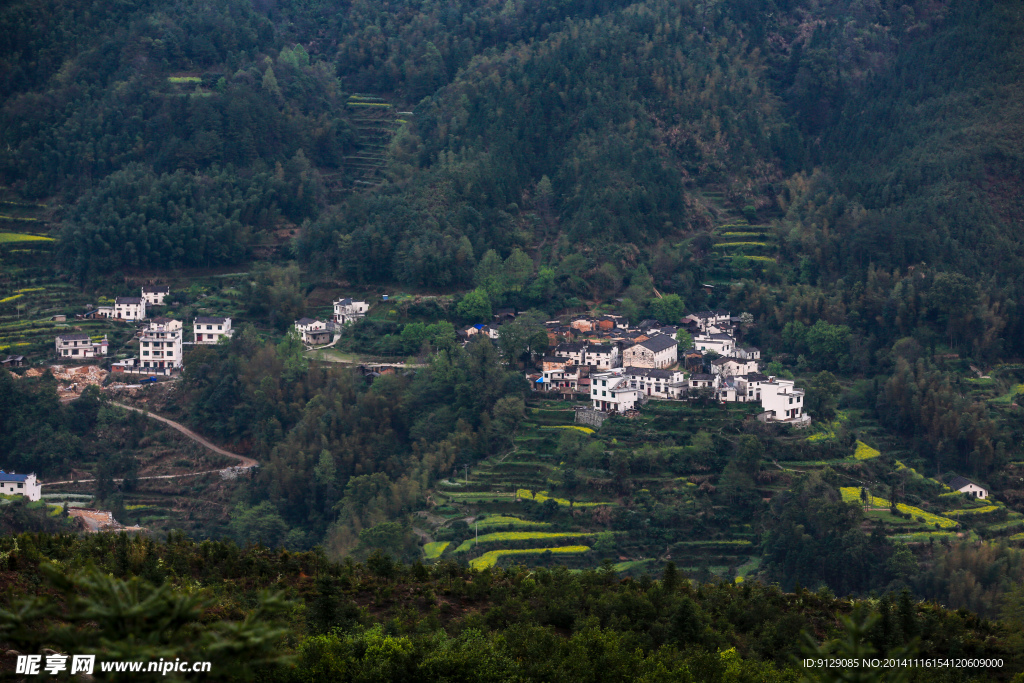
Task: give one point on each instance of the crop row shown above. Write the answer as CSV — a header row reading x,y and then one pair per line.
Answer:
x,y
499,536
490,558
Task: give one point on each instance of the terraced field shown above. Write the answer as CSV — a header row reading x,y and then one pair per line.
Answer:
x,y
523,493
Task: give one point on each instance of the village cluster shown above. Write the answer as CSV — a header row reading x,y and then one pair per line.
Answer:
x,y
162,340
620,366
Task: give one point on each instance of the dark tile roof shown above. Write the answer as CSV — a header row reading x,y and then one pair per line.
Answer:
x,y
756,377
957,483
702,376
304,321
599,348
202,320
73,337
659,342
656,373
128,300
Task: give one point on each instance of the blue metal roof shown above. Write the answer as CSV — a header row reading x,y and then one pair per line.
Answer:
x,y
540,380
4,476
479,326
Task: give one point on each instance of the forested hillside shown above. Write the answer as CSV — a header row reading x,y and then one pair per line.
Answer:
x,y
589,127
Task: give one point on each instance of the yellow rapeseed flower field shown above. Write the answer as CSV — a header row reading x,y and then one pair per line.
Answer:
x,y
489,559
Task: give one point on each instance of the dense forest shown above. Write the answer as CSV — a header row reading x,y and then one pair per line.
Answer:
x,y
280,616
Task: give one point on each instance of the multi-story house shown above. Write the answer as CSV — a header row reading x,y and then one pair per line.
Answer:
x,y
211,330
349,310
720,343
657,383
80,346
313,332
601,356
130,308
659,351
783,402
160,350
731,366
154,294
610,392
27,485
707,319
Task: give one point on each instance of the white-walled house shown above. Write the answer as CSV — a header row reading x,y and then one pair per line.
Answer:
x,y
349,310
130,308
211,330
610,392
707,319
660,351
783,402
656,382
731,366
747,353
160,350
79,346
571,350
601,356
27,485
313,331
154,294
720,343
963,485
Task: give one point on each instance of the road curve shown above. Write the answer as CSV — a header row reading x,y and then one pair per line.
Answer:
x,y
243,462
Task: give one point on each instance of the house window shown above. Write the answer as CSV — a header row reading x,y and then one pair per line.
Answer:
x,y
604,393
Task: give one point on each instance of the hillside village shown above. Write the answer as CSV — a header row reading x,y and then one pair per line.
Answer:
x,y
615,365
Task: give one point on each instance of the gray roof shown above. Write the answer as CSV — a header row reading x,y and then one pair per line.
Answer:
x,y
73,337
756,377
128,300
599,348
957,483
344,302
702,376
304,321
657,373
201,320
659,342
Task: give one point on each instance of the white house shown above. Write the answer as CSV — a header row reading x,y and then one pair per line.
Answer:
x,y
749,387
348,310
747,353
706,319
76,346
657,383
154,294
611,393
313,331
558,373
211,330
571,350
783,402
160,347
962,485
130,308
703,381
20,484
601,356
720,343
660,351
731,366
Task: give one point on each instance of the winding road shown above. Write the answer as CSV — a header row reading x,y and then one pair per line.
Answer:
x,y
244,463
